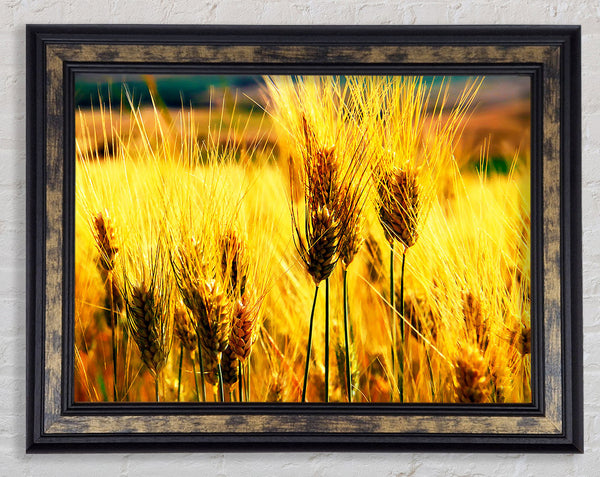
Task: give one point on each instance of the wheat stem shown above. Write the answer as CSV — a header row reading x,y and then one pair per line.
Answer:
x,y
401,359
248,379
221,390
180,366
201,360
346,339
125,347
327,340
241,381
113,325
156,387
427,355
393,314
312,315
196,381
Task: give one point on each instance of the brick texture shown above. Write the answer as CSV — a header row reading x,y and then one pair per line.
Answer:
x,y
14,14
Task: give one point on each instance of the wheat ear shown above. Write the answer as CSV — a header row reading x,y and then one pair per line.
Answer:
x,y
471,378
149,322
230,369
233,263
243,327
399,205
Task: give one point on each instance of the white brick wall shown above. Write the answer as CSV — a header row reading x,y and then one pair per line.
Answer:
x,y
14,14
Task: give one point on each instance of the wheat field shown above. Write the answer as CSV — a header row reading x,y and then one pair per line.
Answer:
x,y
337,243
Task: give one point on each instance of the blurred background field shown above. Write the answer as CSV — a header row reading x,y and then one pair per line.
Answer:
x,y
502,112
202,159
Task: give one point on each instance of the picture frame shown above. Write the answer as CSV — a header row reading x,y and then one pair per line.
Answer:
x,y
549,55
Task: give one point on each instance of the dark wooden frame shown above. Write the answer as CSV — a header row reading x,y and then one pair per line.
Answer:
x,y
550,55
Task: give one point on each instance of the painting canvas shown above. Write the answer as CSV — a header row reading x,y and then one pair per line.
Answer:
x,y
302,239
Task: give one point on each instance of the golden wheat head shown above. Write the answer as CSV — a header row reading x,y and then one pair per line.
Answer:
x,y
213,318
149,323
352,241
399,204
104,235
234,262
475,320
326,161
471,378
185,329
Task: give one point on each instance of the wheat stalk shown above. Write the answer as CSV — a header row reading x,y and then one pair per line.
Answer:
x,y
350,246
331,170
208,302
104,235
186,332
318,243
150,325
399,208
147,291
213,326
413,145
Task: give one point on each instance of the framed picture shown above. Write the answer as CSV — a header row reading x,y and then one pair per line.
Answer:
x,y
293,238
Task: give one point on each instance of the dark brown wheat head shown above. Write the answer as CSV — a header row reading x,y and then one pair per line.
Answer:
x,y
229,368
234,263
399,204
244,326
104,234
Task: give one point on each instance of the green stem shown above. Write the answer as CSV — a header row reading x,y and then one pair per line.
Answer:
x,y
393,315
308,347
433,392
113,325
180,366
126,351
240,381
201,360
196,380
348,374
156,387
327,340
248,379
221,390
401,359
